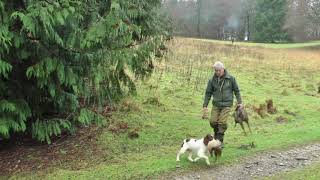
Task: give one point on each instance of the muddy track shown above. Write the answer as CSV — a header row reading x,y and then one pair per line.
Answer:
x,y
259,165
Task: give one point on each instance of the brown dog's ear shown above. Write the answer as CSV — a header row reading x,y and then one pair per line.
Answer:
x,y
207,139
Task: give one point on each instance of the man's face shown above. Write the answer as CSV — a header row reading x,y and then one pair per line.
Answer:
x,y
219,71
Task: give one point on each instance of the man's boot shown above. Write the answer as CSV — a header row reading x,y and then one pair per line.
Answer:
x,y
215,130
221,129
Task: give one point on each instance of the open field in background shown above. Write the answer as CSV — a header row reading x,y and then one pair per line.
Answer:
x,y
168,108
267,45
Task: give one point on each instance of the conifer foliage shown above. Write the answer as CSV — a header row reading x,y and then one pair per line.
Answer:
x,y
61,61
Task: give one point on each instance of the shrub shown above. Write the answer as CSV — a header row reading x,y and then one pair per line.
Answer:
x,y
62,60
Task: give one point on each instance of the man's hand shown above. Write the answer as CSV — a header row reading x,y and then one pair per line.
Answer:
x,y
205,113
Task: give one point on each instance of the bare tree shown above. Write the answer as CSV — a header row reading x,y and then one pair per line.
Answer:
x,y
199,16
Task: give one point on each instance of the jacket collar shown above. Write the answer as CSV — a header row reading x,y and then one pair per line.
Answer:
x,y
226,75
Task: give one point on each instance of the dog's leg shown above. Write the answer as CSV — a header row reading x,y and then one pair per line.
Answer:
x,y
243,128
249,126
206,158
210,152
182,151
197,158
190,157
217,153
202,155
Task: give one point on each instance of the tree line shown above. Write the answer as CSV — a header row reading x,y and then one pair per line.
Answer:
x,y
246,20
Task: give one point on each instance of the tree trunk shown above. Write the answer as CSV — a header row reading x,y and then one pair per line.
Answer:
x,y
248,27
199,18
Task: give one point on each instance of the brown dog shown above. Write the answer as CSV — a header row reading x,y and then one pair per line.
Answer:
x,y
240,116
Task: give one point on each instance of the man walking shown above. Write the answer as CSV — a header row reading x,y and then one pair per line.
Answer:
x,y
221,86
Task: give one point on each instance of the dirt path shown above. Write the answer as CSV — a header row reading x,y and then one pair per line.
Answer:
x,y
259,165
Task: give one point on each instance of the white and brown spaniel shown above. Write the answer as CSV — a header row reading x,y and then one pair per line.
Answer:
x,y
201,147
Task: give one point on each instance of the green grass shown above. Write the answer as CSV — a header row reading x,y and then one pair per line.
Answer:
x,y
310,172
167,109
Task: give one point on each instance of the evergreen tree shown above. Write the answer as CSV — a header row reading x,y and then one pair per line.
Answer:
x,y
61,61
269,20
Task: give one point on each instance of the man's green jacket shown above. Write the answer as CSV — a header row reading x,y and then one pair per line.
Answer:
x,y
222,90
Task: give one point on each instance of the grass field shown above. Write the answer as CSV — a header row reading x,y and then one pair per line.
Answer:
x,y
168,108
